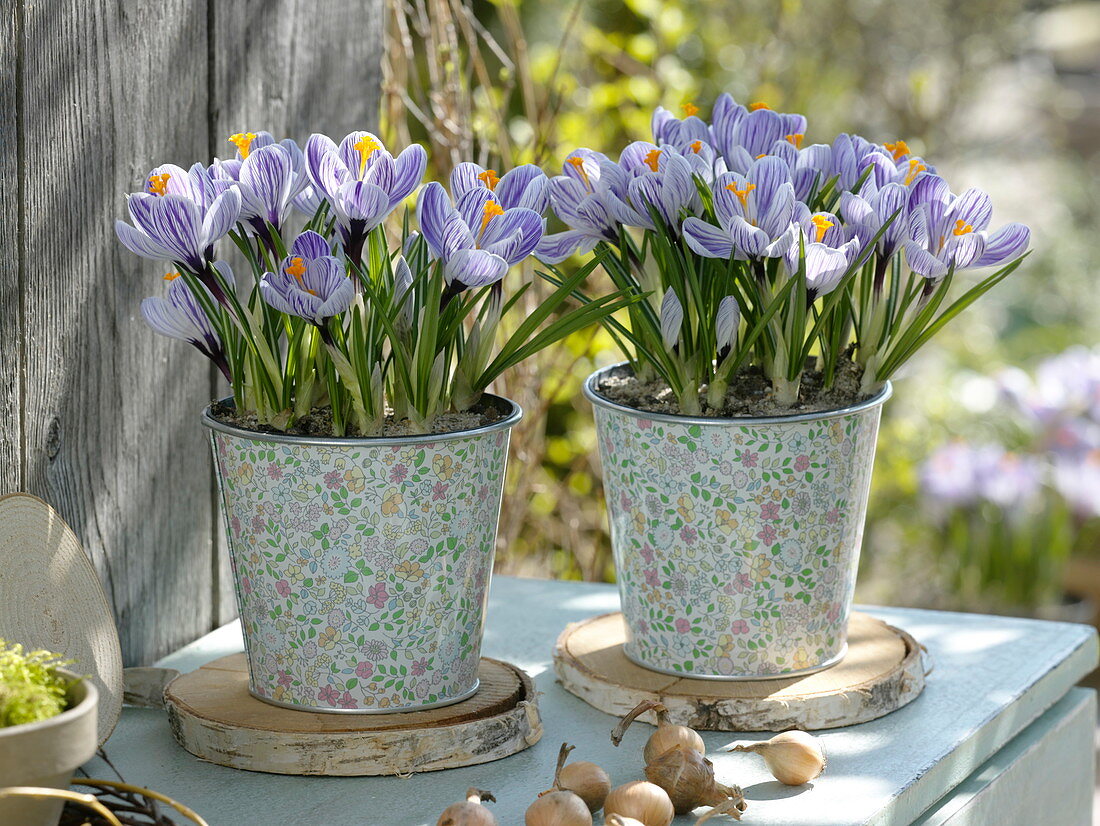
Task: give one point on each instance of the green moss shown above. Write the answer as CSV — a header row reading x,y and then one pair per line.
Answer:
x,y
30,690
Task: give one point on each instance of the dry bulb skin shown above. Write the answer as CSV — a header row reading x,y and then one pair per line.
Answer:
x,y
586,780
646,803
688,778
665,737
793,757
469,812
619,820
560,806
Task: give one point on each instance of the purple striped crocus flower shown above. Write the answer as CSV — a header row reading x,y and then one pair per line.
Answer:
x,y
947,230
311,282
180,217
743,134
477,239
362,182
680,133
579,199
650,176
270,175
180,316
830,249
754,211
523,186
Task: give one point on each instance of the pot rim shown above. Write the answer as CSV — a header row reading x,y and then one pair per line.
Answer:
x,y
86,705
506,423
593,395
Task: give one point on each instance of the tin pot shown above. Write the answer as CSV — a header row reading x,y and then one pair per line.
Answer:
x,y
362,565
46,753
736,541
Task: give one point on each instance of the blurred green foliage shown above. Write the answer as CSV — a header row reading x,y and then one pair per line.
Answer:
x,y
507,81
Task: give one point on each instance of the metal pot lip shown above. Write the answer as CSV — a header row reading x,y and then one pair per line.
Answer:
x,y
593,395
87,698
506,423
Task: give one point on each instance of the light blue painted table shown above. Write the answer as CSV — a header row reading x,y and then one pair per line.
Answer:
x,y
999,736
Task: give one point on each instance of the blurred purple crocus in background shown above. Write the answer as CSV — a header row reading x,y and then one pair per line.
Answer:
x,y
180,316
961,474
477,239
362,182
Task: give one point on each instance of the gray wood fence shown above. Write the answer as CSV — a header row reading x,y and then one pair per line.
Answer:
x,y
99,416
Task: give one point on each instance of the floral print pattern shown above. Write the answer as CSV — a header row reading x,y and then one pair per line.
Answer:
x,y
362,571
736,546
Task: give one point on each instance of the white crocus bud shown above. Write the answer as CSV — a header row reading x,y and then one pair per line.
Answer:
x,y
726,322
672,317
402,292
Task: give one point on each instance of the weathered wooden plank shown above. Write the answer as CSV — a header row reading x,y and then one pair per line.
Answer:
x,y
11,360
112,436
292,69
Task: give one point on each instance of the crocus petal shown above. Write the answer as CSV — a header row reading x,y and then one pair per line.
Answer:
x,y
474,268
556,247
973,207
310,245
172,221
465,176
747,240
365,202
525,186
513,235
1004,244
967,249
326,179
706,239
268,174
672,318
433,208
726,322
223,213
141,244
922,262
409,168
471,207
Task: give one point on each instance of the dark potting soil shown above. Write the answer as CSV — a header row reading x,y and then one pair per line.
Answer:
x,y
318,422
749,393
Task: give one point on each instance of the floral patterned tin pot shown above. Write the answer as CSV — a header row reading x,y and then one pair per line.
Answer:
x,y
362,566
736,541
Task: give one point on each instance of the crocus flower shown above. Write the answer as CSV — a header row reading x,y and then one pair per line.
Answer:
x,y
579,198
947,231
1077,479
478,239
524,186
649,176
362,182
269,175
754,212
311,283
866,216
180,316
964,474
680,133
180,217
741,135
672,318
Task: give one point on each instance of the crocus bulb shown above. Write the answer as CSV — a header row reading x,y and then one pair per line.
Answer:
x,y
665,737
586,780
793,757
469,812
645,802
559,806
688,778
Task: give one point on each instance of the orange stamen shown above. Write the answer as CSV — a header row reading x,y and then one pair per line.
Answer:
x,y
742,194
365,146
296,267
899,149
489,178
171,276
796,139
158,184
577,162
915,168
652,158
696,146
962,228
758,105
490,211
761,155
690,110
821,223
243,142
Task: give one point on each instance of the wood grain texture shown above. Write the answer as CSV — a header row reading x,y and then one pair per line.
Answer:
x,y
213,716
99,416
11,363
882,671
292,69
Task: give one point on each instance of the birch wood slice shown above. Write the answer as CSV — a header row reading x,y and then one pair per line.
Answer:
x,y
51,597
882,671
215,718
